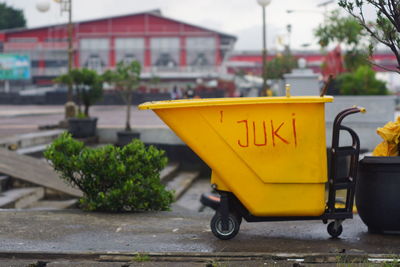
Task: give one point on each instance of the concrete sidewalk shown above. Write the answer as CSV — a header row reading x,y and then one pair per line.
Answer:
x,y
179,234
10,111
27,119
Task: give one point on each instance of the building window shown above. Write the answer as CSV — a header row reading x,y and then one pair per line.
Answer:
x,y
34,63
200,51
56,63
129,49
94,53
56,40
165,52
22,40
55,55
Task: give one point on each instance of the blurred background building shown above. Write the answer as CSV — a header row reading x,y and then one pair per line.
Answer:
x,y
166,48
172,54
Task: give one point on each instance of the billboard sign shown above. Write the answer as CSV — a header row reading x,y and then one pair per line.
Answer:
x,y
15,67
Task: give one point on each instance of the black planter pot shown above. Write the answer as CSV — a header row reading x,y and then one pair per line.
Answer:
x,y
82,127
125,137
378,194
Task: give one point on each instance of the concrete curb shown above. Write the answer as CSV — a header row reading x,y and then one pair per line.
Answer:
x,y
199,257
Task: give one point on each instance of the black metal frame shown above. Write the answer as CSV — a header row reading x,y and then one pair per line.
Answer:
x,y
229,203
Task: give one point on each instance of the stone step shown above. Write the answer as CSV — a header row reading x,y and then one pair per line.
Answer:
x,y
4,182
181,182
30,139
168,172
53,204
33,151
20,198
191,199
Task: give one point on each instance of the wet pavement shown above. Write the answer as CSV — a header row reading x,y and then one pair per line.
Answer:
x,y
178,231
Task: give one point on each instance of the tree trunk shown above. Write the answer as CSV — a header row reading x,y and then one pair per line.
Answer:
x,y
79,100
128,110
86,102
86,110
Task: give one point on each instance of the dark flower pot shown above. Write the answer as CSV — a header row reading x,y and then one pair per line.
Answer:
x,y
82,127
378,194
125,137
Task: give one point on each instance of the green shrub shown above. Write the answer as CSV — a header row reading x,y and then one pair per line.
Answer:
x,y
112,178
361,82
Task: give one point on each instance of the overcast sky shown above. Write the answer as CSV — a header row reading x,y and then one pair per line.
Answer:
x,y
242,18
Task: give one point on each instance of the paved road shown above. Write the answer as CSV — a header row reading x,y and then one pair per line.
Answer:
x,y
27,119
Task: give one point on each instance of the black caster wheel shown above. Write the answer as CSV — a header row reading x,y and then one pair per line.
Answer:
x,y
239,218
334,232
233,226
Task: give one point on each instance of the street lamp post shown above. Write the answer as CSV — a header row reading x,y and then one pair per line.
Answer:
x,y
264,4
65,6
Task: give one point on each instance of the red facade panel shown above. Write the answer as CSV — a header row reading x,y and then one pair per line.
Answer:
x,y
112,52
194,30
217,51
131,24
160,25
183,51
147,54
96,27
76,58
40,34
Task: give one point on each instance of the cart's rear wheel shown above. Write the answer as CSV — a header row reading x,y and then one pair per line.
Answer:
x,y
335,229
233,226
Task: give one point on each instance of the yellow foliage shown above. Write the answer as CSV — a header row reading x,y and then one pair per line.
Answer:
x,y
390,134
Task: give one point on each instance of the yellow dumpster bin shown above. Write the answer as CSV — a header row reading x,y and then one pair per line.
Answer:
x,y
269,152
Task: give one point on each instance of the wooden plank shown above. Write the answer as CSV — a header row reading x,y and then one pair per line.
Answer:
x,y
34,171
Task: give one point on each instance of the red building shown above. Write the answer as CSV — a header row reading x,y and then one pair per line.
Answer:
x,y
166,48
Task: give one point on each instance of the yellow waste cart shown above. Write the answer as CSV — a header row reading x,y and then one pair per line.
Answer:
x,y
267,155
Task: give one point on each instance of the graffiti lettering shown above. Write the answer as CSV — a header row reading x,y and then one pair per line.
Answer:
x,y
247,134
294,129
260,134
275,133
264,134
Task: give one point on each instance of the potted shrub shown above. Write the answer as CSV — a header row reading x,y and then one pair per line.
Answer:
x,y
125,78
88,87
378,186
112,178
